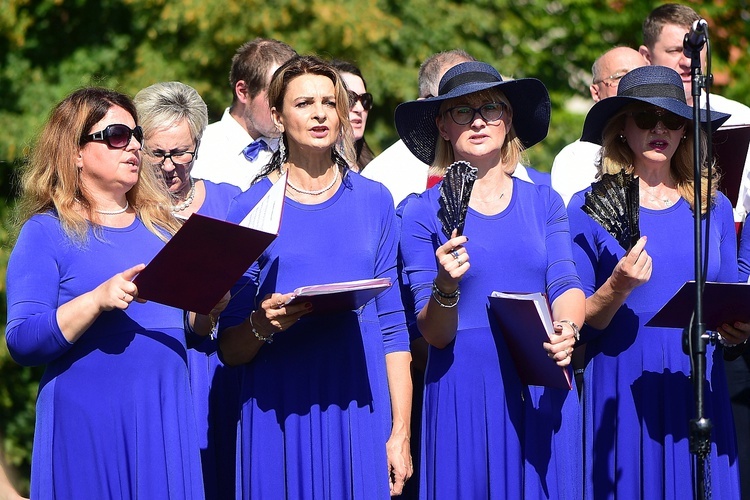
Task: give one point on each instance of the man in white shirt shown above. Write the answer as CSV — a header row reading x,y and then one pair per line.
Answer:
x,y
234,149
575,166
663,33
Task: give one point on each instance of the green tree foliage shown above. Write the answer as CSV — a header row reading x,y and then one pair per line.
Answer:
x,y
50,47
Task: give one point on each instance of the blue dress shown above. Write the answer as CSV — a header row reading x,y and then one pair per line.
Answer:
x,y
215,387
484,434
315,403
114,413
638,397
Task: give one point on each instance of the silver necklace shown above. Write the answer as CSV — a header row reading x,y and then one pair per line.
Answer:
x,y
115,212
182,206
319,191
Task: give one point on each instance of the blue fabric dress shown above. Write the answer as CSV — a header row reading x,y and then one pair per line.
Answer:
x,y
638,397
315,412
215,387
484,434
114,414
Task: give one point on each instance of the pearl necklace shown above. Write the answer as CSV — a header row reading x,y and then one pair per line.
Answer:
x,y
115,212
182,206
319,191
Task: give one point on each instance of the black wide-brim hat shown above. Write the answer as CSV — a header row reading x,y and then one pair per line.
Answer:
x,y
528,97
656,85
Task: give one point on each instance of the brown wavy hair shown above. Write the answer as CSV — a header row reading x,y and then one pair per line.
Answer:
x,y
50,180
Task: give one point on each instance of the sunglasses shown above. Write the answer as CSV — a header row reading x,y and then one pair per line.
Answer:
x,y
365,99
116,136
491,112
648,118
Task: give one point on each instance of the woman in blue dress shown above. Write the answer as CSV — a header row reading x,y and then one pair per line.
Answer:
x,y
325,399
484,433
173,117
638,397
114,412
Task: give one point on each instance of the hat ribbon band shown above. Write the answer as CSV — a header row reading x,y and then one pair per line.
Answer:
x,y
655,90
464,78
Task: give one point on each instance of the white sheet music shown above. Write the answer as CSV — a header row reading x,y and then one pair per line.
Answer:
x,y
266,215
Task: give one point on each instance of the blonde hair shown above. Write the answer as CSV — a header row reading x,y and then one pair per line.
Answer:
x,y
50,180
617,155
512,149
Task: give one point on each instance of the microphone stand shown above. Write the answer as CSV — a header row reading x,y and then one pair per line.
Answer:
x,y
693,336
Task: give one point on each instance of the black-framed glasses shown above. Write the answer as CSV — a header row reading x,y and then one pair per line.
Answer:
x,y
116,136
490,112
612,80
648,118
366,99
178,158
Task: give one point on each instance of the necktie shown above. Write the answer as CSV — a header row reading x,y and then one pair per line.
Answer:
x,y
251,150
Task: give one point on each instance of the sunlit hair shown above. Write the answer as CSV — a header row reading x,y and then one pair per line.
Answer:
x,y
166,104
435,66
670,13
311,65
252,62
51,180
617,155
362,150
512,149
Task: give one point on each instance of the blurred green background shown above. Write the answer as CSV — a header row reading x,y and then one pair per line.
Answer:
x,y
50,47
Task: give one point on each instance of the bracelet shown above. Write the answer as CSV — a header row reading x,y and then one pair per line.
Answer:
x,y
576,330
267,340
436,295
444,295
729,345
214,333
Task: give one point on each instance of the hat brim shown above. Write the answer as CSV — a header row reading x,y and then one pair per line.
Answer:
x,y
601,112
528,97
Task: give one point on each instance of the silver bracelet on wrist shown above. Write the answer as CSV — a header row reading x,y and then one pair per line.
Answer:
x,y
438,294
267,340
576,330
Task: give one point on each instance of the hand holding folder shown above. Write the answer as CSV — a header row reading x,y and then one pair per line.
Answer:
x,y
526,323
207,256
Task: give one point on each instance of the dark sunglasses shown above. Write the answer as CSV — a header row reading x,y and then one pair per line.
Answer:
x,y
648,118
365,99
116,136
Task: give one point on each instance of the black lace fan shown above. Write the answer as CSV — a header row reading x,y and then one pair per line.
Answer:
x,y
455,192
613,203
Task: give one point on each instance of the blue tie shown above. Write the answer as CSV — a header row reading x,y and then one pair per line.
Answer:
x,y
251,151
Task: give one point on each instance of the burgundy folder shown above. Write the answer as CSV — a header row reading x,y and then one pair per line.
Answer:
x,y
526,323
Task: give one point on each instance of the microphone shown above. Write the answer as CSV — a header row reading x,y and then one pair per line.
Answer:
x,y
696,38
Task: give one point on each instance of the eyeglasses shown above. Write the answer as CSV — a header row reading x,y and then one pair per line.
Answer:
x,y
648,118
365,99
491,112
179,159
612,80
116,136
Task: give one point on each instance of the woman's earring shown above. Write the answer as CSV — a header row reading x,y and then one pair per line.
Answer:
x,y
683,138
282,149
623,139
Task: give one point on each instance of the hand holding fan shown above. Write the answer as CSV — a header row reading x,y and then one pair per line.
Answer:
x,y
613,202
455,192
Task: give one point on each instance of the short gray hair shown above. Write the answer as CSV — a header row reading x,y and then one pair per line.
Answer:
x,y
167,103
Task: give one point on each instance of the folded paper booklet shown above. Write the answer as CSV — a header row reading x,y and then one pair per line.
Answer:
x,y
339,297
526,323
207,256
722,303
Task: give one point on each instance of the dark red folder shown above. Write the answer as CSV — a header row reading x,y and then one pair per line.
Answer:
x,y
207,256
730,145
526,323
339,297
722,303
